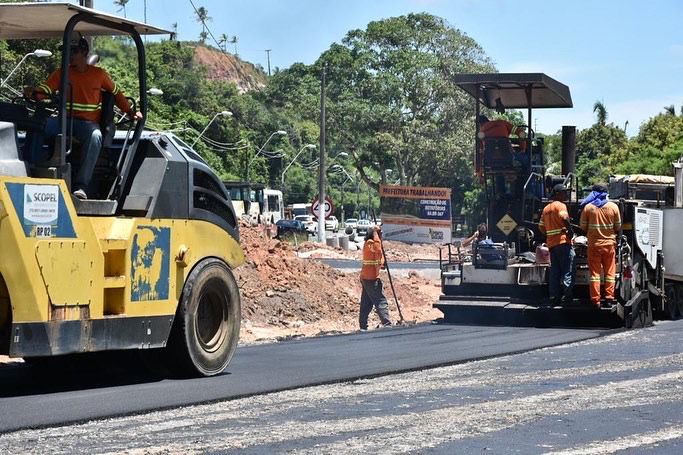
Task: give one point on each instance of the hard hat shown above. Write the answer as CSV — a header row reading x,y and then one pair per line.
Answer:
x,y
78,42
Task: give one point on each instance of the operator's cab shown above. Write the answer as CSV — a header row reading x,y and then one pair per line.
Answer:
x,y
138,173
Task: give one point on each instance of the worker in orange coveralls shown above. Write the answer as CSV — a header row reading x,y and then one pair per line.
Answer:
x,y
373,289
556,226
601,221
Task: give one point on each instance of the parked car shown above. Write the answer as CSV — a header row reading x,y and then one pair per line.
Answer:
x,y
362,227
290,226
309,221
351,222
332,224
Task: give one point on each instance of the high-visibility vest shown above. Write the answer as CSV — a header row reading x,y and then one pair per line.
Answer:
x,y
601,224
553,223
85,100
372,260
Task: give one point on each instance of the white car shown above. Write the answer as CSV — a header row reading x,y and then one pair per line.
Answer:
x,y
351,222
310,222
362,227
332,224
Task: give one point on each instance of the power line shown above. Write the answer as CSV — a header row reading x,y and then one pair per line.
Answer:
x,y
205,25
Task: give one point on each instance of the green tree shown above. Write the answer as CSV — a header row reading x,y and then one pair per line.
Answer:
x,y
392,105
658,143
599,148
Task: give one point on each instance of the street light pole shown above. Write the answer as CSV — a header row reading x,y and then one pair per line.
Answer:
x,y
307,146
40,53
279,133
321,173
221,114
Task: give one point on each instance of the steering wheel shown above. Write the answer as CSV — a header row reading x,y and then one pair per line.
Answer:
x,y
122,118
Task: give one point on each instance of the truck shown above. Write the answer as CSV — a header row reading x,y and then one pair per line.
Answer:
x,y
503,282
146,262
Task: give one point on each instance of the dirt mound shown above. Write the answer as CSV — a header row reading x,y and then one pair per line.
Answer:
x,y
284,295
228,67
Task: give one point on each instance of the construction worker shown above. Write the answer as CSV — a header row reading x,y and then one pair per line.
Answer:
x,y
84,105
372,293
601,221
556,225
479,236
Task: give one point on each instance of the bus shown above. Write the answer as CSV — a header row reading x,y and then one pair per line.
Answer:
x,y
255,202
272,208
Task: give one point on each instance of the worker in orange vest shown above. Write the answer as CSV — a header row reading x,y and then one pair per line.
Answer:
x,y
372,293
555,224
601,221
86,84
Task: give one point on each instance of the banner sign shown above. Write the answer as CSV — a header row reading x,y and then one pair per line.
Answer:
x,y
414,214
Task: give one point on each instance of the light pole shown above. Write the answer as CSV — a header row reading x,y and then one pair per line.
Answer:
x,y
279,133
348,177
218,114
307,146
40,53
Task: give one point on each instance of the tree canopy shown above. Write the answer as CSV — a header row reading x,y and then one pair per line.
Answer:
x,y
393,116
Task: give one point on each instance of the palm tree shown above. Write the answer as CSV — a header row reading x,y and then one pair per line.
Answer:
x,y
122,6
203,17
601,111
223,42
233,40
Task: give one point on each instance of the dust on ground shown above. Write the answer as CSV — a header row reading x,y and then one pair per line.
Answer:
x,y
287,293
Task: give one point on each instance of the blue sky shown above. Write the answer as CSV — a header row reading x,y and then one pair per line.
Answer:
x,y
627,54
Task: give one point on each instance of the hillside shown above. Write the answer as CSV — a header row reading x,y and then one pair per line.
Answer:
x,y
227,67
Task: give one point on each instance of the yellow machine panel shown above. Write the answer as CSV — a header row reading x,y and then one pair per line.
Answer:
x,y
67,272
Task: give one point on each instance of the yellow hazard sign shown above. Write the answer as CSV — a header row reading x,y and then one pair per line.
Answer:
x,y
506,224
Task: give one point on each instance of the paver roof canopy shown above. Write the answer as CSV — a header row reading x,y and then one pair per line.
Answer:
x,y
515,90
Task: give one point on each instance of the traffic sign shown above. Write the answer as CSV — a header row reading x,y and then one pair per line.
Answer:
x,y
329,207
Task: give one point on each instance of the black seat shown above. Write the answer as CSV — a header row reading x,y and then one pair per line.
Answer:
x,y
107,124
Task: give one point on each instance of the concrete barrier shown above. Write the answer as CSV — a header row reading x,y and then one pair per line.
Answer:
x,y
344,242
332,241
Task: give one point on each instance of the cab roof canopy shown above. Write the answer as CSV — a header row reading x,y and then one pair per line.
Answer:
x,y
48,20
515,90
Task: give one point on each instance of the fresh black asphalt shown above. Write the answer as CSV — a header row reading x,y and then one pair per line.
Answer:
x,y
31,397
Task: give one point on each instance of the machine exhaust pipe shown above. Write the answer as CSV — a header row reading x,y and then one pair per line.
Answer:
x,y
568,150
678,183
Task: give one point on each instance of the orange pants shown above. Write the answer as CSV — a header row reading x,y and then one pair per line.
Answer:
x,y
601,258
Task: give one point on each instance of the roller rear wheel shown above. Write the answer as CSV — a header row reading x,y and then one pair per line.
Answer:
x,y
207,323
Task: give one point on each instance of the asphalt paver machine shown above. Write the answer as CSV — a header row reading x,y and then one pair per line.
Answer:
x,y
145,263
502,282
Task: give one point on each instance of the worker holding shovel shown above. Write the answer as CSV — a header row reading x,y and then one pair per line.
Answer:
x,y
373,289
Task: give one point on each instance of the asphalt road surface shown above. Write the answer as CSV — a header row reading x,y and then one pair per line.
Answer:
x,y
32,397
621,393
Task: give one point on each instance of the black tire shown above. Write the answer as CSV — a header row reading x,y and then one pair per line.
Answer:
x,y
207,323
671,302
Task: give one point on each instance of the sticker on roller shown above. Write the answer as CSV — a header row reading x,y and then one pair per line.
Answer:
x,y
43,231
41,208
41,204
